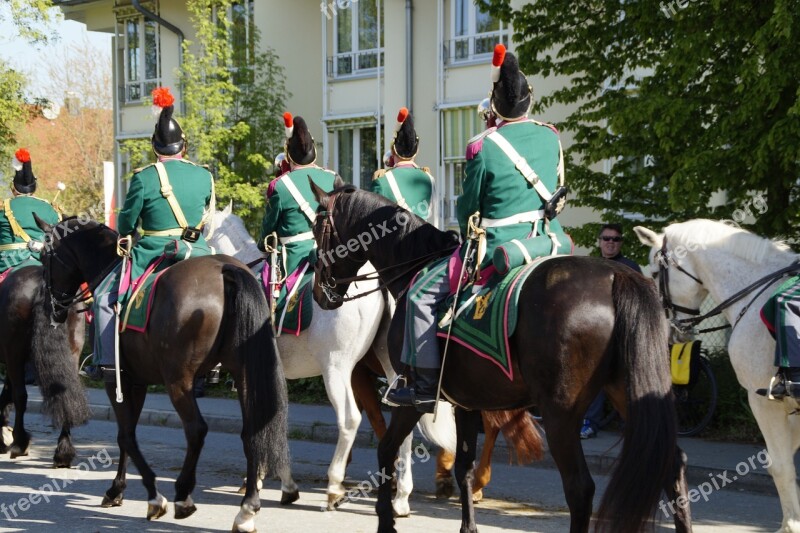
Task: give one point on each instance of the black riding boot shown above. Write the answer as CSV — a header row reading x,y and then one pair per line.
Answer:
x,y
421,394
787,383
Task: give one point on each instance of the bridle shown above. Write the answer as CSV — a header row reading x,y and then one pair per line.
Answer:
x,y
323,268
685,325
664,260
61,300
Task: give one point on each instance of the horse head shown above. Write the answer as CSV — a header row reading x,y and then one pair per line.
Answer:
x,y
682,292
338,256
77,250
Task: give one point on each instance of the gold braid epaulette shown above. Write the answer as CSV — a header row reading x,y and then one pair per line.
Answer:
x,y
379,174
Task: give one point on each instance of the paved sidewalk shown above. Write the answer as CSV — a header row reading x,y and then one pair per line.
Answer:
x,y
739,464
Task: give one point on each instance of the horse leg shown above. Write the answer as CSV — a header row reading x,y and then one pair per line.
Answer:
x,y
195,430
127,414
400,427
15,374
5,402
484,471
405,481
364,392
562,431
65,451
348,417
782,438
467,442
677,488
444,476
114,495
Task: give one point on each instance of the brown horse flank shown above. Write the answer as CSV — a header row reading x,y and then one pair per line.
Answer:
x,y
585,324
206,310
26,332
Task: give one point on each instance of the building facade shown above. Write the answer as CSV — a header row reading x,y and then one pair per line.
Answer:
x,y
350,65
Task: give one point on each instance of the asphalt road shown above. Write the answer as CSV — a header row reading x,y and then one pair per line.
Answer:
x,y
519,498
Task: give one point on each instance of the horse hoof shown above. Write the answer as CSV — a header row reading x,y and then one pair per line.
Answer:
x,y
236,529
334,501
62,462
15,451
444,489
184,511
401,509
112,502
477,496
156,508
288,498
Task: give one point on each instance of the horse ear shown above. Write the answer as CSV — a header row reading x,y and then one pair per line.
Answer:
x,y
338,182
320,195
648,237
228,208
44,226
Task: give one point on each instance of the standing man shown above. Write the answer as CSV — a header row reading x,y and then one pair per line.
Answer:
x,y
169,200
403,181
609,240
19,234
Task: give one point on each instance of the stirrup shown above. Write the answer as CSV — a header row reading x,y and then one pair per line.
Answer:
x,y
392,386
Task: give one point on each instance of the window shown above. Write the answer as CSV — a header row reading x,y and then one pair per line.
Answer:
x,y
141,58
459,125
242,39
474,33
358,45
356,155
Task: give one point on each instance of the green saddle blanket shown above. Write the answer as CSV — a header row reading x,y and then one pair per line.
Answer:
x,y
136,300
486,316
293,309
781,315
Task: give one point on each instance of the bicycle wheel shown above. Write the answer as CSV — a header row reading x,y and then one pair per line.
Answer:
x,y
695,403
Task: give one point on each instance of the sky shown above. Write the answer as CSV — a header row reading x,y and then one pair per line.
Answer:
x,y
31,59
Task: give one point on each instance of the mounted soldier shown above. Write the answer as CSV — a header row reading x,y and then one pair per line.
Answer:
x,y
403,181
291,208
20,238
512,173
169,201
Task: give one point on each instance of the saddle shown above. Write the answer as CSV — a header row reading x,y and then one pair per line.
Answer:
x,y
291,301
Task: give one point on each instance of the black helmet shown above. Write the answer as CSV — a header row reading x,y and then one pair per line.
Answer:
x,y
24,180
168,137
406,142
511,93
299,143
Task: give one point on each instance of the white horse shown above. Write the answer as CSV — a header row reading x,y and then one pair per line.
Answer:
x,y
702,257
330,347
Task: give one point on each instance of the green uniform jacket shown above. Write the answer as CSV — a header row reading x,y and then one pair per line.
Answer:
x,y
23,208
285,217
415,185
495,187
191,185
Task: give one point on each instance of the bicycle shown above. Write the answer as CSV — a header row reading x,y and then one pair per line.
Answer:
x,y
695,402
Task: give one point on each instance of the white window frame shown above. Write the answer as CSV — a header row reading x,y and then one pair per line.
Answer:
x,y
456,53
142,84
449,215
355,54
356,130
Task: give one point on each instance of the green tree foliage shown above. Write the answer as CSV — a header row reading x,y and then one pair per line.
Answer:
x,y
12,109
708,90
234,96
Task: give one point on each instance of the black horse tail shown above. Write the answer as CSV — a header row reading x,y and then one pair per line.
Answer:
x,y
263,389
649,448
57,370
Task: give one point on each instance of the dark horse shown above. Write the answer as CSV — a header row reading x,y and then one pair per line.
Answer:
x,y
206,310
585,324
25,331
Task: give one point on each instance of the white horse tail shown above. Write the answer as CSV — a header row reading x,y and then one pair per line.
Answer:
x,y
443,431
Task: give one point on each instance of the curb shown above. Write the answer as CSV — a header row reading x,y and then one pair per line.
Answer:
x,y
600,463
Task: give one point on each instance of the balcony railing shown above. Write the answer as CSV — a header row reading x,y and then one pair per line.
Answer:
x,y
473,47
350,64
136,91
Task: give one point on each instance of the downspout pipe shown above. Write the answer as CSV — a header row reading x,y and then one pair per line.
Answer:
x,y
171,27
409,54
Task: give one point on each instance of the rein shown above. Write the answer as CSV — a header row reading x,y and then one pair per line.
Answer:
x,y
684,324
328,282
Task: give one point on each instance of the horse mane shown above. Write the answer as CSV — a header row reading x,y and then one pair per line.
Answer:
x,y
721,236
